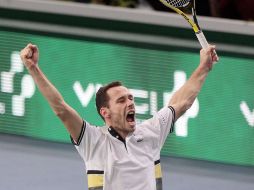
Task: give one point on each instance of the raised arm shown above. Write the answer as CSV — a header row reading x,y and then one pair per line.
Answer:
x,y
185,96
70,118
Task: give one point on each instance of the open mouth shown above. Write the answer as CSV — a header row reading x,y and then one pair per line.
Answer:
x,y
130,116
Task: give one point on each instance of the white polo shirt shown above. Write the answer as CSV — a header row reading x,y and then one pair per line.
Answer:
x,y
113,163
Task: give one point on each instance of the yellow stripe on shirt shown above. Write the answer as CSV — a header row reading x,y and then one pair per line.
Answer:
x,y
158,173
95,180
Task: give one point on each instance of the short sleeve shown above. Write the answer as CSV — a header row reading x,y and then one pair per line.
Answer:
x,y
159,126
166,117
88,139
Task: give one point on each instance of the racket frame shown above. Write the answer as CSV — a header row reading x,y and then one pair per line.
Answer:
x,y
193,23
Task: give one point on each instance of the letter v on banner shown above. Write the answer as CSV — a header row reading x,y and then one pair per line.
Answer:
x,y
85,96
248,115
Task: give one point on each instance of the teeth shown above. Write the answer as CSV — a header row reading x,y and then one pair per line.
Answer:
x,y
131,112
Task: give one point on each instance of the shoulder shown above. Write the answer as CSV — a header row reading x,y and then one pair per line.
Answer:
x,y
92,132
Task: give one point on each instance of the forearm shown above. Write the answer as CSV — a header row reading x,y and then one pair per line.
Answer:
x,y
47,89
186,95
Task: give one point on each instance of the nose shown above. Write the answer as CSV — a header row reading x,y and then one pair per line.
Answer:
x,y
130,103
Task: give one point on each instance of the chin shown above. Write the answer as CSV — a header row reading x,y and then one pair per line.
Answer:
x,y
132,127
131,130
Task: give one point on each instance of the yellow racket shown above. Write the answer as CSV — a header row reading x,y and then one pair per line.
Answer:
x,y
188,6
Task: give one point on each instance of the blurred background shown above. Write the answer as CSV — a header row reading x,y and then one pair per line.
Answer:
x,y
85,44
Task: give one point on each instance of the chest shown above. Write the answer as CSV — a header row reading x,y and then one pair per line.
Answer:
x,y
136,152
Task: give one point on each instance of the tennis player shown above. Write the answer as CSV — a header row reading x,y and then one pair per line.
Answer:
x,y
121,155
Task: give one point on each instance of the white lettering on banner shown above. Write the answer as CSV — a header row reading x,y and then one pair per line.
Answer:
x,y
151,107
153,103
7,82
2,108
141,108
7,86
84,96
247,113
27,91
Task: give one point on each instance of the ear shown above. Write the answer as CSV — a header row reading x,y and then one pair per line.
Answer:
x,y
105,112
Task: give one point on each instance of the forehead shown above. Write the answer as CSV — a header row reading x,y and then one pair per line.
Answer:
x,y
117,91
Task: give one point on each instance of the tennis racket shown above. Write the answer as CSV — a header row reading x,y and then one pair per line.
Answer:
x,y
188,6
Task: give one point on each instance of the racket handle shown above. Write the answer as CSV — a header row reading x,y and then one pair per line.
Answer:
x,y
202,40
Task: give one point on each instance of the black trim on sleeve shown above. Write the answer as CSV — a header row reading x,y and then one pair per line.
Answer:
x,y
173,119
95,172
80,136
157,162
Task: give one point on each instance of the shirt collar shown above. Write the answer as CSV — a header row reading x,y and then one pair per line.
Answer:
x,y
115,134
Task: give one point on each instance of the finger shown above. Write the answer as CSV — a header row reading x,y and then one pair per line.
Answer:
x,y
215,58
31,46
212,50
34,48
28,53
214,55
208,50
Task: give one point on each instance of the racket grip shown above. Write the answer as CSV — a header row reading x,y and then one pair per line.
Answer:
x,y
203,42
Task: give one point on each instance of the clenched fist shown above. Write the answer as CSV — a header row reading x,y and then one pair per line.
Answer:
x,y
30,55
208,57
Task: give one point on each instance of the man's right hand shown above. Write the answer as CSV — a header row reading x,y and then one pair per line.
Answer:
x,y
30,55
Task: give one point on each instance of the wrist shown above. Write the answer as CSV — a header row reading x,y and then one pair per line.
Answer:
x,y
202,72
32,67
204,68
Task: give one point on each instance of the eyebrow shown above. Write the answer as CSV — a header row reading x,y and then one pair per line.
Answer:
x,y
124,96
120,98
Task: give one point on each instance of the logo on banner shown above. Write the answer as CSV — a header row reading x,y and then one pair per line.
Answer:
x,y
8,83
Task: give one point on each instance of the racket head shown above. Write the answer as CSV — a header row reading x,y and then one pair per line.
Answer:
x,y
184,7
178,3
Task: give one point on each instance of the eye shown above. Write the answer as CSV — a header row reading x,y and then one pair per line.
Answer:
x,y
121,100
131,97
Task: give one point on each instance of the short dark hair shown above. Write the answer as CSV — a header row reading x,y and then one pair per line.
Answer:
x,y
102,97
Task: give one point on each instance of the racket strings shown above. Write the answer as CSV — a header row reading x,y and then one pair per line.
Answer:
x,y
178,3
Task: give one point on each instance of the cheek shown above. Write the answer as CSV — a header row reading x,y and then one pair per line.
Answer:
x,y
117,113
117,109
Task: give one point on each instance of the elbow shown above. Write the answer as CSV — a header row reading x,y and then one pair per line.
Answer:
x,y
183,108
59,113
187,105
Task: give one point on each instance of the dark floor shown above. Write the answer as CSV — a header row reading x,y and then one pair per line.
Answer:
x,y
38,165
